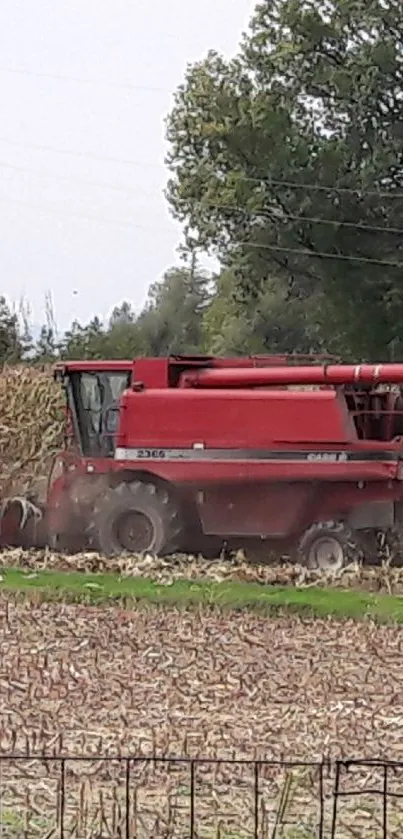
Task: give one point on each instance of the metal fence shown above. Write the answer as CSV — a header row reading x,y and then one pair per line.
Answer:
x,y
136,797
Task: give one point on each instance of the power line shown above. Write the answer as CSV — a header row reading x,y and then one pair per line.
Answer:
x,y
20,71
323,255
263,179
369,228
370,193
101,82
234,208
240,243
52,210
74,179
101,157
266,180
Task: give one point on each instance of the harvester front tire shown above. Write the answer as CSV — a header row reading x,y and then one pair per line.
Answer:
x,y
136,518
328,546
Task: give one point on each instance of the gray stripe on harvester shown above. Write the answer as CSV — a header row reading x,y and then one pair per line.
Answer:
x,y
263,455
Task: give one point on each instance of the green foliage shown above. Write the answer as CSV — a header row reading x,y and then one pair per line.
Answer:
x,y
171,321
12,345
46,347
312,602
83,341
266,324
312,98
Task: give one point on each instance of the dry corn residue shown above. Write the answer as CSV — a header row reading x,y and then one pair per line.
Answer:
x,y
31,428
98,680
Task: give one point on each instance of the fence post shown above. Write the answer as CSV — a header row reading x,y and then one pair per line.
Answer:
x,y
385,802
192,799
127,799
62,795
256,804
335,800
321,802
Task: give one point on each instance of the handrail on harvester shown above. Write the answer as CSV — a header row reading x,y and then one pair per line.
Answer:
x,y
332,374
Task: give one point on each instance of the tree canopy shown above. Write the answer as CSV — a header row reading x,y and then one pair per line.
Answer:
x,y
286,162
13,341
172,321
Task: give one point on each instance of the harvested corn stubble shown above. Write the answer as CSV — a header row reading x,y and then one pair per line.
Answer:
x,y
377,579
94,681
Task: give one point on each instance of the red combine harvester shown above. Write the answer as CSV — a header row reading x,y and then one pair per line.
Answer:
x,y
191,453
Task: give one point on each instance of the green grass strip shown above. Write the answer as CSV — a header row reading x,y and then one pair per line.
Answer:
x,y
103,588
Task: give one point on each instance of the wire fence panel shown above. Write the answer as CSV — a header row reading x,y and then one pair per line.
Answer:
x,y
102,797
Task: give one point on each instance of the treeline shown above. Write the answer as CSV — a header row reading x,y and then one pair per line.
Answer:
x,y
174,319
182,315
286,162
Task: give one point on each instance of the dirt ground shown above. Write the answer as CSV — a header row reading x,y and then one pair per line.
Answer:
x,y
90,680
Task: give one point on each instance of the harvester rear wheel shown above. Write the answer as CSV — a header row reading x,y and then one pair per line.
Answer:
x,y
328,546
136,518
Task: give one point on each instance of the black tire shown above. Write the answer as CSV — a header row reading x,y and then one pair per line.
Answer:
x,y
337,542
261,553
209,548
392,547
65,543
136,518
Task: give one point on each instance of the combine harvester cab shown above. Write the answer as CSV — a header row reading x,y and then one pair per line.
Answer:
x,y
193,453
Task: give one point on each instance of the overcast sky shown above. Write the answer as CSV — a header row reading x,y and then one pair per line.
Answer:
x,y
84,89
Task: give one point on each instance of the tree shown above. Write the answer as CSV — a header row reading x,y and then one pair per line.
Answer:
x,y
267,324
122,315
172,321
82,342
122,338
11,343
282,158
46,349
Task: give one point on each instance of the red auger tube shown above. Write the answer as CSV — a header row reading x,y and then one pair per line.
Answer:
x,y
334,374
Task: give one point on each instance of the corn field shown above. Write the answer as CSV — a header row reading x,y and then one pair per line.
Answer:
x,y
31,429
